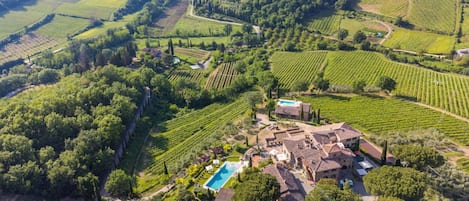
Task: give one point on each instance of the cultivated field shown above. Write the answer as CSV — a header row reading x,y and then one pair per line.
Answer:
x,y
191,55
194,40
288,66
15,20
446,91
28,45
326,23
91,8
437,15
387,8
420,41
379,116
107,25
184,136
62,26
221,77
192,75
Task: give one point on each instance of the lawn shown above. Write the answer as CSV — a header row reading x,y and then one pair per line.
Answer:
x,y
387,8
92,33
420,41
15,20
187,25
91,8
437,15
62,26
352,26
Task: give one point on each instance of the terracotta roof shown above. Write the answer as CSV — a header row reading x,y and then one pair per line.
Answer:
x,y
325,164
288,110
288,186
225,194
340,130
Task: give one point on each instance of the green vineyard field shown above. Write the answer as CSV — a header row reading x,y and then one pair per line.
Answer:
x,y
222,77
192,75
379,116
288,66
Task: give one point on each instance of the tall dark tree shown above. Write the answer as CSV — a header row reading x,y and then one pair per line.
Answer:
x,y
342,34
384,153
165,168
386,83
170,47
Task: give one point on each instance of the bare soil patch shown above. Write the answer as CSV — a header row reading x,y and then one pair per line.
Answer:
x,y
171,16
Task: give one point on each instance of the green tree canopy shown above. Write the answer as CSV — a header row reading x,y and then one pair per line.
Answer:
x,y
343,33
327,189
359,37
300,85
392,181
386,83
418,157
257,187
119,184
359,86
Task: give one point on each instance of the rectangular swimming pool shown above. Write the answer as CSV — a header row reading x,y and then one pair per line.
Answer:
x,y
222,175
282,102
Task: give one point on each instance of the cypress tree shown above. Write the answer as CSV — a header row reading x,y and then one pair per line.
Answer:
x,y
165,168
257,138
318,118
384,153
247,143
209,194
250,162
239,177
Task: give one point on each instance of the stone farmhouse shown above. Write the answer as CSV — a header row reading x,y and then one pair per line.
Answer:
x,y
321,152
293,110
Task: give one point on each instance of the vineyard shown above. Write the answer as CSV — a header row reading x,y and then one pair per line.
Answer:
x,y
184,136
222,77
326,23
386,8
437,15
28,45
194,53
192,75
420,41
379,116
288,67
446,91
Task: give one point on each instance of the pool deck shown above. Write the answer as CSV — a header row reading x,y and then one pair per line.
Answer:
x,y
239,170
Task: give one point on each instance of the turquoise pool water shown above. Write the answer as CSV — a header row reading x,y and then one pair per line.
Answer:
x,y
287,103
222,175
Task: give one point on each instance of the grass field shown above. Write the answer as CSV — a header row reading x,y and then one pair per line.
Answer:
x,y
191,55
387,8
91,8
437,15
61,26
420,41
352,26
193,26
378,116
16,19
107,25
183,138
288,66
222,77
326,22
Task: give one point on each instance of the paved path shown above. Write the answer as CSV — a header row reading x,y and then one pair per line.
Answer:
x,y
191,13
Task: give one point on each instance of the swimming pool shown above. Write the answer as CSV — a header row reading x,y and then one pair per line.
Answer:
x,y
222,175
282,102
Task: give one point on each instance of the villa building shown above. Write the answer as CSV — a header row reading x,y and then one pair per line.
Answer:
x,y
293,110
323,152
289,189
